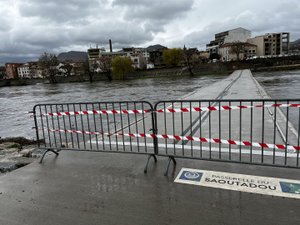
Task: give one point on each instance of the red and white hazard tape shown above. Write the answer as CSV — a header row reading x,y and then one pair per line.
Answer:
x,y
217,108
96,112
168,110
187,138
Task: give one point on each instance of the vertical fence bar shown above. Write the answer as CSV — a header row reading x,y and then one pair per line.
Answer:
x,y
115,126
286,133
144,126
53,126
36,127
165,125
200,129
102,130
129,127
65,127
251,132
76,126
89,127
240,131
173,128
263,132
209,128
298,138
136,127
229,127
43,128
181,116
122,125
70,123
108,127
59,127
82,127
191,129
154,128
274,133
95,126
220,129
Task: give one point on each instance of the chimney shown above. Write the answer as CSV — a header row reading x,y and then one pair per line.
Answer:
x,y
110,45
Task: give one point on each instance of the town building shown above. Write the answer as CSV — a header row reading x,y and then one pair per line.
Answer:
x,y
236,35
35,70
139,57
24,71
237,51
272,44
156,54
11,70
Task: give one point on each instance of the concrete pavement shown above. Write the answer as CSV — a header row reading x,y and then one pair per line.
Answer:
x,y
99,188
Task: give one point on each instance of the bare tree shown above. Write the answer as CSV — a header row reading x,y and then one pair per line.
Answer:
x,y
237,48
48,63
190,59
105,65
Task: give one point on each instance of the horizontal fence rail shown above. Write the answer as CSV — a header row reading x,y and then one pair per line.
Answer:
x,y
263,132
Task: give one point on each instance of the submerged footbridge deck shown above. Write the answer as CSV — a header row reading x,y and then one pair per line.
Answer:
x,y
235,120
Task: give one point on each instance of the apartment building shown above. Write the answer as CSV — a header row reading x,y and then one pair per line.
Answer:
x,y
12,70
235,35
272,44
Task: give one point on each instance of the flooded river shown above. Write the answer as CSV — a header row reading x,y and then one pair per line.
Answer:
x,y
15,102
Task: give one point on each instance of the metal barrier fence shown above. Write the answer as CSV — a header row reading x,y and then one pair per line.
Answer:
x,y
101,126
243,131
263,132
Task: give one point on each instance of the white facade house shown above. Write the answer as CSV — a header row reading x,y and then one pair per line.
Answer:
x,y
24,71
246,51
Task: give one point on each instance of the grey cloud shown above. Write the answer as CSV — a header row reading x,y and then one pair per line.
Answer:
x,y
59,11
283,18
156,10
30,27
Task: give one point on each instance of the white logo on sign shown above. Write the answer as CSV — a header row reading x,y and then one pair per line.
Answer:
x,y
191,175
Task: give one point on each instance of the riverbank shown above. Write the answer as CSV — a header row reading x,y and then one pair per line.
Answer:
x,y
219,68
17,152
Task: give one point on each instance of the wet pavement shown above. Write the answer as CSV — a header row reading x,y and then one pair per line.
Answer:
x,y
101,188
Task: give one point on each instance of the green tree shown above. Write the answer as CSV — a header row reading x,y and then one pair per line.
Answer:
x,y
173,56
121,66
48,63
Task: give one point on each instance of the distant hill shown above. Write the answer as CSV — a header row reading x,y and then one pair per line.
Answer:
x,y
295,44
155,47
72,56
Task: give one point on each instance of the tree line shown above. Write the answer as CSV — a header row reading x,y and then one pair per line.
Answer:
x,y
117,67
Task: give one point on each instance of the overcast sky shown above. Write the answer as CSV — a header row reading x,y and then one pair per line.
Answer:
x,y
31,27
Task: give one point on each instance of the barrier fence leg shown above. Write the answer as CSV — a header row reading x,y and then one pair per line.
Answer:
x,y
149,157
171,158
49,150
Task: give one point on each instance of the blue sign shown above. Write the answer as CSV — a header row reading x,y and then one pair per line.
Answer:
x,y
292,188
192,176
